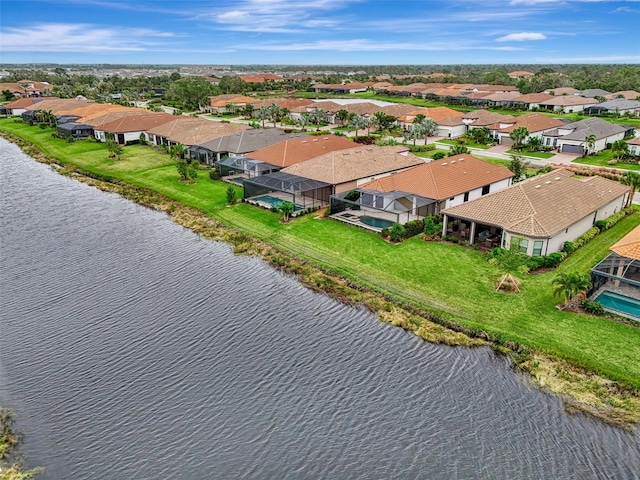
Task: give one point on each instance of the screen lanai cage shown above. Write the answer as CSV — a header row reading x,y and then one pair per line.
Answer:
x,y
394,207
277,187
244,166
617,273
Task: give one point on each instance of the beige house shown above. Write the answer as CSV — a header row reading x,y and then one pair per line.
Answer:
x,y
540,213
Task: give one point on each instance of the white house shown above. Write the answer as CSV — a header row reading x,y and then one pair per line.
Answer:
x,y
542,212
571,137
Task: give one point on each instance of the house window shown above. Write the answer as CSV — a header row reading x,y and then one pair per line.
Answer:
x,y
524,245
466,196
537,248
485,189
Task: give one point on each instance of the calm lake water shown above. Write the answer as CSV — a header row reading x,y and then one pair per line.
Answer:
x,y
132,349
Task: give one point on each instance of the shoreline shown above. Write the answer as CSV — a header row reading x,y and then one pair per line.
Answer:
x,y
579,389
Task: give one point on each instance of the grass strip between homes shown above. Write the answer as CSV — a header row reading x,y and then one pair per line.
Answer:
x,y
442,293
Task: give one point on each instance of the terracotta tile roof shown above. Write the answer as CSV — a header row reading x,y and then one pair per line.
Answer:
x,y
355,163
435,113
27,101
194,131
562,91
442,179
110,116
96,109
634,141
520,73
477,95
288,103
58,105
629,245
484,117
534,97
503,96
327,106
628,94
135,123
398,109
30,86
533,122
260,78
224,100
290,152
569,100
541,206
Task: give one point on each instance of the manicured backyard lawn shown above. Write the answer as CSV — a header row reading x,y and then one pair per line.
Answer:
x,y
452,280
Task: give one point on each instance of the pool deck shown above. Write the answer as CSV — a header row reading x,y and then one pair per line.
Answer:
x,y
352,218
623,290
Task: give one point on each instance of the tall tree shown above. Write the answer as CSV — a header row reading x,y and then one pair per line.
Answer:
x,y
519,167
429,128
620,149
263,114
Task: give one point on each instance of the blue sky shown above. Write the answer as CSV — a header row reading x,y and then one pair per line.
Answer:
x,y
320,32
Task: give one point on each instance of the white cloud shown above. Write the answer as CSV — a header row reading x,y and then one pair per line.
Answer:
x,y
522,37
63,37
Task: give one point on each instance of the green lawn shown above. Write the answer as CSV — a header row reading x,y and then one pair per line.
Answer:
x,y
455,281
466,144
529,153
602,159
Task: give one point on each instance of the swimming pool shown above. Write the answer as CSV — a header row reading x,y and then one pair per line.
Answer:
x,y
275,201
625,306
376,222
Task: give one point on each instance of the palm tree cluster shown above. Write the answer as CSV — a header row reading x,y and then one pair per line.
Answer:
x,y
568,285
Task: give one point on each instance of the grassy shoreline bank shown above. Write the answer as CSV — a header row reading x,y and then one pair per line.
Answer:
x,y
603,392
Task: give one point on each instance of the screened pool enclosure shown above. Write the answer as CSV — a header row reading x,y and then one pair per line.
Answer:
x,y
244,166
376,210
269,190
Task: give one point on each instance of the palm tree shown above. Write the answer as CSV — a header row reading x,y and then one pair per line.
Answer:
x,y
620,149
429,128
342,115
177,151
589,144
358,122
286,209
534,144
568,285
631,179
457,150
274,113
518,136
417,131
263,114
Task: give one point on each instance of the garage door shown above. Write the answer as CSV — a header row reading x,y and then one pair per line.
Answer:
x,y
506,141
572,149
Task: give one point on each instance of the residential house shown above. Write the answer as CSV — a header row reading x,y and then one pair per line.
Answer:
x,y
425,189
239,143
219,103
189,131
593,92
310,183
618,106
484,118
532,101
353,87
129,128
572,137
627,94
520,74
634,146
562,91
27,88
568,103
350,168
540,213
535,123
281,155
19,106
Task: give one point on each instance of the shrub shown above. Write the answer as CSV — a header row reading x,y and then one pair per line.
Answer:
x,y
553,259
438,155
397,232
535,263
430,228
385,232
231,195
414,227
595,308
213,174
568,247
585,237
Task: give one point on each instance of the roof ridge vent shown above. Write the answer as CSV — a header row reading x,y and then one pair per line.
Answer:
x,y
452,162
444,164
547,182
303,141
538,186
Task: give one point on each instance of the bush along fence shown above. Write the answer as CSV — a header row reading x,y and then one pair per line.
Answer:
x,y
430,226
